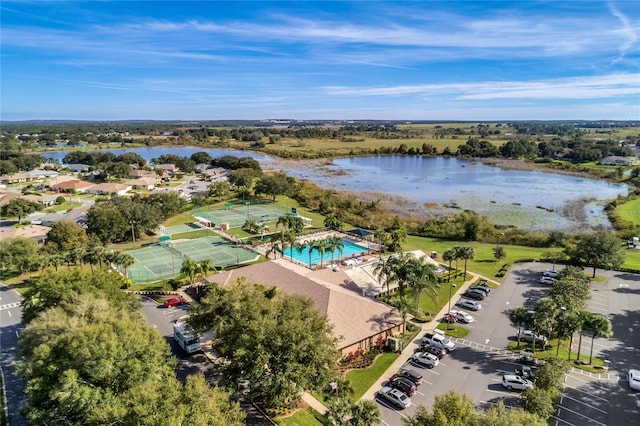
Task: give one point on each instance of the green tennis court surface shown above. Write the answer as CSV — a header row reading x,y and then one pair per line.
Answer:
x,y
157,262
237,214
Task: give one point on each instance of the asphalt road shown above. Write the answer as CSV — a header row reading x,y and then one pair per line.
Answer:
x,y
476,366
10,329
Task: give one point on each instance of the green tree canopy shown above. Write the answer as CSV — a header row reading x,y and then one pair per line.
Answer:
x,y
53,288
20,208
65,235
18,254
280,343
598,250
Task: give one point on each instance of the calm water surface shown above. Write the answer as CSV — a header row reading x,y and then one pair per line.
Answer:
x,y
528,199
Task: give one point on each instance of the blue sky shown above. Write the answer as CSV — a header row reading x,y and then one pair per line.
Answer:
x,y
399,60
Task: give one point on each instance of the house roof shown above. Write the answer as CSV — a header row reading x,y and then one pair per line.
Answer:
x,y
31,231
355,318
58,179
6,196
75,184
110,187
147,180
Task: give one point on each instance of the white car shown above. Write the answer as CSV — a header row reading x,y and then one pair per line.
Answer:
x,y
551,273
529,336
634,379
426,359
469,304
460,316
438,339
511,381
395,396
547,280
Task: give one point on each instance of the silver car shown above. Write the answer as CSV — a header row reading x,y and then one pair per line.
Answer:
x,y
511,381
395,397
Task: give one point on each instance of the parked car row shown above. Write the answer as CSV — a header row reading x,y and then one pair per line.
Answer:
x,y
400,387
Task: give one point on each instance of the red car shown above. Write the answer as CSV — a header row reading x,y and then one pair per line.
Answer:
x,y
174,301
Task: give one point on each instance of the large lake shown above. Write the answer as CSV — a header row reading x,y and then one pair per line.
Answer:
x,y
527,199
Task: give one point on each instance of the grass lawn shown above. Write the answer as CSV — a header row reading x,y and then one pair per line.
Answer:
x,y
484,262
632,259
453,330
299,418
362,380
629,211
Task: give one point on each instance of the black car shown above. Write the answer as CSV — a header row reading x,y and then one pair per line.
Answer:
x,y
412,375
435,350
526,372
475,294
403,384
529,360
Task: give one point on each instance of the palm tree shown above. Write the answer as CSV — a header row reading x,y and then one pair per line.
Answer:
x,y
299,247
337,411
332,222
125,260
599,326
457,254
56,260
288,238
519,316
584,321
382,237
546,311
448,256
424,280
206,265
397,236
335,243
366,412
571,322
275,244
251,226
321,247
190,268
467,253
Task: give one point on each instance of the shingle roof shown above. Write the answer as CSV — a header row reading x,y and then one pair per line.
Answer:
x,y
355,318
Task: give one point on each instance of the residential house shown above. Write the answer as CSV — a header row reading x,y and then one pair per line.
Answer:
x,y
109,188
144,183
48,184
72,186
142,173
35,232
45,200
78,168
359,322
17,178
43,173
171,169
6,196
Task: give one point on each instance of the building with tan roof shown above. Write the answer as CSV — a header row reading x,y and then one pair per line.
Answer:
x,y
148,183
109,188
35,232
359,322
72,185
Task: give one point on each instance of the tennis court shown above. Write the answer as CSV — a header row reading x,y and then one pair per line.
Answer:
x,y
237,214
158,262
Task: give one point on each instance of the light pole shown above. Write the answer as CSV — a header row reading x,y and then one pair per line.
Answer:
x,y
449,318
500,235
133,233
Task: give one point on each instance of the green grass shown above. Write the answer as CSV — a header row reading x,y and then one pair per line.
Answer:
x,y
632,259
484,262
301,418
62,207
199,233
550,352
630,211
432,306
453,330
362,380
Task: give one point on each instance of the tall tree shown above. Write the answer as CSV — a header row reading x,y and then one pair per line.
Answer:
x,y
448,256
599,326
191,269
519,316
20,208
256,327
467,253
18,253
598,250
332,222
451,408
321,247
65,235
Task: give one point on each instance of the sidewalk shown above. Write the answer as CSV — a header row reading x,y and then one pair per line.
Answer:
x,y
408,350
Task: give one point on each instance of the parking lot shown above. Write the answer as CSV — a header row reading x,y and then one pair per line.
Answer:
x,y
479,361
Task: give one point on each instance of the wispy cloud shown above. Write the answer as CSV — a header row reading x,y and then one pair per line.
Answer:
x,y
592,87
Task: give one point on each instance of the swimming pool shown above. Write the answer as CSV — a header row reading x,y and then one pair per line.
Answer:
x,y
348,250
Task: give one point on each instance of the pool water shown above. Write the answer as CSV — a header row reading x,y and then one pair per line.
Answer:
x,y
347,251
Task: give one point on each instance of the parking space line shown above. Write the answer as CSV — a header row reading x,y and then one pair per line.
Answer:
x,y
562,420
586,393
499,392
585,381
583,403
581,415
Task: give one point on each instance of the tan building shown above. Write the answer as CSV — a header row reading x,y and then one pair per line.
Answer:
x,y
109,188
148,183
45,200
35,232
359,322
